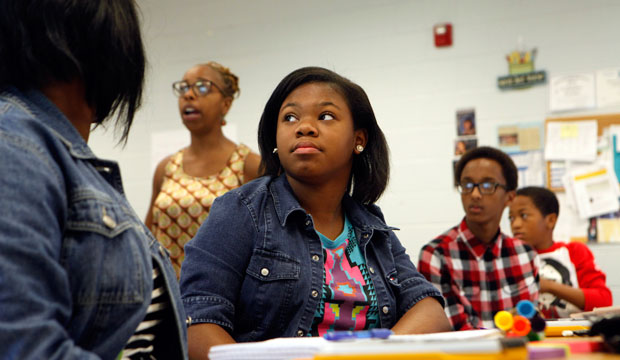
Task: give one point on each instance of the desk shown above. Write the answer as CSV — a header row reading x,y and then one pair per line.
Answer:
x,y
584,356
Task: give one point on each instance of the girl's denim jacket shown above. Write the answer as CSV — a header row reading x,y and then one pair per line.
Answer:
x,y
75,260
255,267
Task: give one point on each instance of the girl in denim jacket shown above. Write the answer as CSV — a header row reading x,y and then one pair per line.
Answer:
x,y
304,250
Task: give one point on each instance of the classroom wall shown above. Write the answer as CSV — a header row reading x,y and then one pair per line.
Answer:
x,y
386,47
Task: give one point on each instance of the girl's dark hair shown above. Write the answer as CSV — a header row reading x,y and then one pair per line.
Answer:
x,y
509,170
96,42
544,199
371,168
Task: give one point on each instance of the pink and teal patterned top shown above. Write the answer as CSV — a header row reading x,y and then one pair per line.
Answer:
x,y
349,300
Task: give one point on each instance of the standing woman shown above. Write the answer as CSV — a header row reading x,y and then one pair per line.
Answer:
x,y
81,277
186,183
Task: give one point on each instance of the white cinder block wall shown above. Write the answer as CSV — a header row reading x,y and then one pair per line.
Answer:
x,y
386,47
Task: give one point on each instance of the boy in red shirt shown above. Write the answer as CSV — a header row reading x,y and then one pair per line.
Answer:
x,y
570,281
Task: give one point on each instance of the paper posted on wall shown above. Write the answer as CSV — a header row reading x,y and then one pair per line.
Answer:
x,y
594,190
571,140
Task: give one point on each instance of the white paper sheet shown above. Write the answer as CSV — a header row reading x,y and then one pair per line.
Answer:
x,y
608,87
531,168
571,140
572,92
477,341
595,190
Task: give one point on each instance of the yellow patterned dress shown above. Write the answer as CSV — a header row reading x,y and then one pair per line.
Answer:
x,y
184,201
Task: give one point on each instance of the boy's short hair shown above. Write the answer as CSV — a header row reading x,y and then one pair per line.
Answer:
x,y
544,199
509,170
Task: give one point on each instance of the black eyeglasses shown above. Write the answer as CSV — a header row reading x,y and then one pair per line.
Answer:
x,y
485,187
200,87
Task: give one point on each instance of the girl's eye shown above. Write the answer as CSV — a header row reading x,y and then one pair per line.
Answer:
x,y
289,117
326,116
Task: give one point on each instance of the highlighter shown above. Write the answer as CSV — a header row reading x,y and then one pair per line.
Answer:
x,y
526,309
503,320
521,326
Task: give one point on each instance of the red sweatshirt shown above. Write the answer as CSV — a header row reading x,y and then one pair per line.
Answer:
x,y
572,264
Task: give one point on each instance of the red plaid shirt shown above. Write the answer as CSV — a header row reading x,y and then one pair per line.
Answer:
x,y
477,279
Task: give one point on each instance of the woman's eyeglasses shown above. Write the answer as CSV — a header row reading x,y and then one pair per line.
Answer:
x,y
200,87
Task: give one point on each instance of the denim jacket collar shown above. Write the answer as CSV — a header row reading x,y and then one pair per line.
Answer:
x,y
47,113
360,216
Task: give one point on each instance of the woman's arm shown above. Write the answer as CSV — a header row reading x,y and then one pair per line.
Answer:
x,y
201,337
251,167
213,272
158,180
36,298
426,316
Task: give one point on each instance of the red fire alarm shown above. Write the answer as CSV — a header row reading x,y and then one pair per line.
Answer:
x,y
443,34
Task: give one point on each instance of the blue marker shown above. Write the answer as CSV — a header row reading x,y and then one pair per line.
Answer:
x,y
526,309
364,334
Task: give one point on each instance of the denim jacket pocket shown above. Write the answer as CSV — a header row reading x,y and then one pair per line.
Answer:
x,y
272,266
273,280
103,245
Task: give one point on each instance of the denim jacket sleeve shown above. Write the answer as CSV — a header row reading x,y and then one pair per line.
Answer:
x,y
406,283
35,299
225,243
412,286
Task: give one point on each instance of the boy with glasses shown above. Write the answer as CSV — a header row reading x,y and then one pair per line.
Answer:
x,y
478,269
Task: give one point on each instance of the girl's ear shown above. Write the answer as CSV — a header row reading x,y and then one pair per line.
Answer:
x,y
550,221
360,138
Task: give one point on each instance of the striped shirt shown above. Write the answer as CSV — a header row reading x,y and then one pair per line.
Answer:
x,y
143,344
478,279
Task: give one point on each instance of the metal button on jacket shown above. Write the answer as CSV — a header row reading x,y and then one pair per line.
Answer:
x,y
264,271
107,220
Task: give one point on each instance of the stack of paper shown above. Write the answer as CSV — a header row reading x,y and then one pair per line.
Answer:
x,y
276,349
468,342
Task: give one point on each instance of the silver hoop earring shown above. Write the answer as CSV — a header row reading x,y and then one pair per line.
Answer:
x,y
359,148
275,150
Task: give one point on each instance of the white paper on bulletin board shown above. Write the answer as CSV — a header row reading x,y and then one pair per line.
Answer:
x,y
571,140
572,92
608,87
531,168
594,189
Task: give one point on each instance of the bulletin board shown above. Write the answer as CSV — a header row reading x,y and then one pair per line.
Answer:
x,y
603,121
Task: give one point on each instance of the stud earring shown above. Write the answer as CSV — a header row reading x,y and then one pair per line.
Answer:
x,y
359,148
275,150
